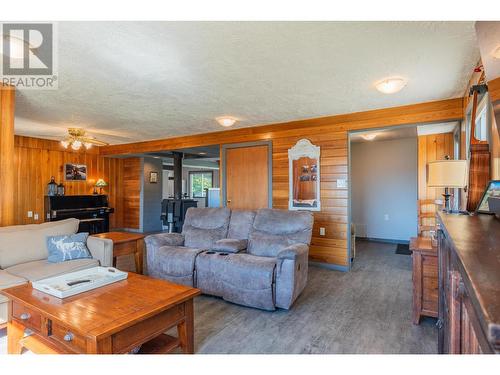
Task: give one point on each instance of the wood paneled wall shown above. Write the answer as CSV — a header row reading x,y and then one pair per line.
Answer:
x,y
431,148
331,134
36,160
132,175
7,174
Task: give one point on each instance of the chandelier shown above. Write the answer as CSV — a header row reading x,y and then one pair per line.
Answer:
x,y
76,139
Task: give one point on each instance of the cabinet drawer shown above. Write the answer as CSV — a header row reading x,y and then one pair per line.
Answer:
x,y
27,316
69,338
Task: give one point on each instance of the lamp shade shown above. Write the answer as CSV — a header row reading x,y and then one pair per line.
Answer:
x,y
101,183
447,174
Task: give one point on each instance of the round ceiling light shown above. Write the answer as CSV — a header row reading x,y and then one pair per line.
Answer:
x,y
226,121
369,136
391,85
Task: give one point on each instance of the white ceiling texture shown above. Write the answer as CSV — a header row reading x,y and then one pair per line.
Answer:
x,y
133,81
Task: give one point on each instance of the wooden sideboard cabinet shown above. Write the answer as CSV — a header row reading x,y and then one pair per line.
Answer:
x,y
469,284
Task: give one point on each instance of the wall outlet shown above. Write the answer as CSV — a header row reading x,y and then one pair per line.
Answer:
x,y
386,217
35,217
30,213
322,231
342,183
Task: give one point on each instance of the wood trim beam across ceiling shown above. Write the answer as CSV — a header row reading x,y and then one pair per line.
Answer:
x,y
429,112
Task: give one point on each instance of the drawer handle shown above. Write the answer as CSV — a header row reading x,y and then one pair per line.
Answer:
x,y
68,336
25,316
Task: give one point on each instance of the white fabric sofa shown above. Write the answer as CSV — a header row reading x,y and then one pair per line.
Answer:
x,y
23,255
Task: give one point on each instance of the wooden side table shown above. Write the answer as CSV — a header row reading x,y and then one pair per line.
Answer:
x,y
425,278
115,318
125,243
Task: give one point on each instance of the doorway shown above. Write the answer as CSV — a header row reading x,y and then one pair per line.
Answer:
x,y
247,175
388,174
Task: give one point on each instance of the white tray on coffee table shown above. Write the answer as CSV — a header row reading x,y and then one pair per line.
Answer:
x,y
93,278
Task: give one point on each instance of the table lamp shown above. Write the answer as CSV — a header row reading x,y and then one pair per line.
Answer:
x,y
99,184
447,174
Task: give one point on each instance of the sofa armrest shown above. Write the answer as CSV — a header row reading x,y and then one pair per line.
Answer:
x,y
164,239
101,249
294,251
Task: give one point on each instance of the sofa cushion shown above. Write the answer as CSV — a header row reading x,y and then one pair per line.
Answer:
x,y
274,230
174,263
21,244
204,226
8,280
68,247
48,224
229,245
240,278
249,280
240,224
42,269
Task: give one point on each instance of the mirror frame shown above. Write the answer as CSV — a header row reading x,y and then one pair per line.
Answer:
x,y
303,148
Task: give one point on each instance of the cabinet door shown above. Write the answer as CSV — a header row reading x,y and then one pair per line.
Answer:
x,y
443,259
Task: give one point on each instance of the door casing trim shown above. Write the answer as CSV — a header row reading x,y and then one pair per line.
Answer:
x,y
225,147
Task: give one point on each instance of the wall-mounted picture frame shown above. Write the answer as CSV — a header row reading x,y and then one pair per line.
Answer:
x,y
75,172
153,177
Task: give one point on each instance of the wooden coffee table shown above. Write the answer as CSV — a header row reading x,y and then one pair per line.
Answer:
x,y
112,319
125,243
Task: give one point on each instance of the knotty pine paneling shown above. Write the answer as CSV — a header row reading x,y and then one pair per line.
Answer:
x,y
333,216
36,160
331,134
132,174
7,175
431,148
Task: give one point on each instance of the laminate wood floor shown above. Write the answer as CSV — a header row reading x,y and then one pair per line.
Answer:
x,y
367,310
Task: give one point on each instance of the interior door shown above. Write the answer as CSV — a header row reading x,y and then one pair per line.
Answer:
x,y
247,177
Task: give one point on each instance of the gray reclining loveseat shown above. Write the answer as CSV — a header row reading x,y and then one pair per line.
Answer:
x,y
253,258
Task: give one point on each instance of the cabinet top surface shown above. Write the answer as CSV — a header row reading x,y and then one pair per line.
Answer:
x,y
476,241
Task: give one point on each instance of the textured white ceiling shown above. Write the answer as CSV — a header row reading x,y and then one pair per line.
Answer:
x,y
132,81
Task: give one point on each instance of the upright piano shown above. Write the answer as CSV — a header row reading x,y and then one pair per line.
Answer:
x,y
92,211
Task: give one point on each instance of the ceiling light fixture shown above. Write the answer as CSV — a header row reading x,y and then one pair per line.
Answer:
x,y
77,138
369,136
391,85
226,121
496,53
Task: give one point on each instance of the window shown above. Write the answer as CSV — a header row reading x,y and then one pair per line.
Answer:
x,y
198,182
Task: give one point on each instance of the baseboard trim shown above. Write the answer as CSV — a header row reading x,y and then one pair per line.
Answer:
x,y
383,240
332,267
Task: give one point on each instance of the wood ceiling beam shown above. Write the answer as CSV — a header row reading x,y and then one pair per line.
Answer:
x,y
429,112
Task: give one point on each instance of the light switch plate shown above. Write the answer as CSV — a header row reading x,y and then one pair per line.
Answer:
x,y
342,183
35,217
30,213
322,231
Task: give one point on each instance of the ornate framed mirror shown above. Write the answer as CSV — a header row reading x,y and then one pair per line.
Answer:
x,y
304,176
